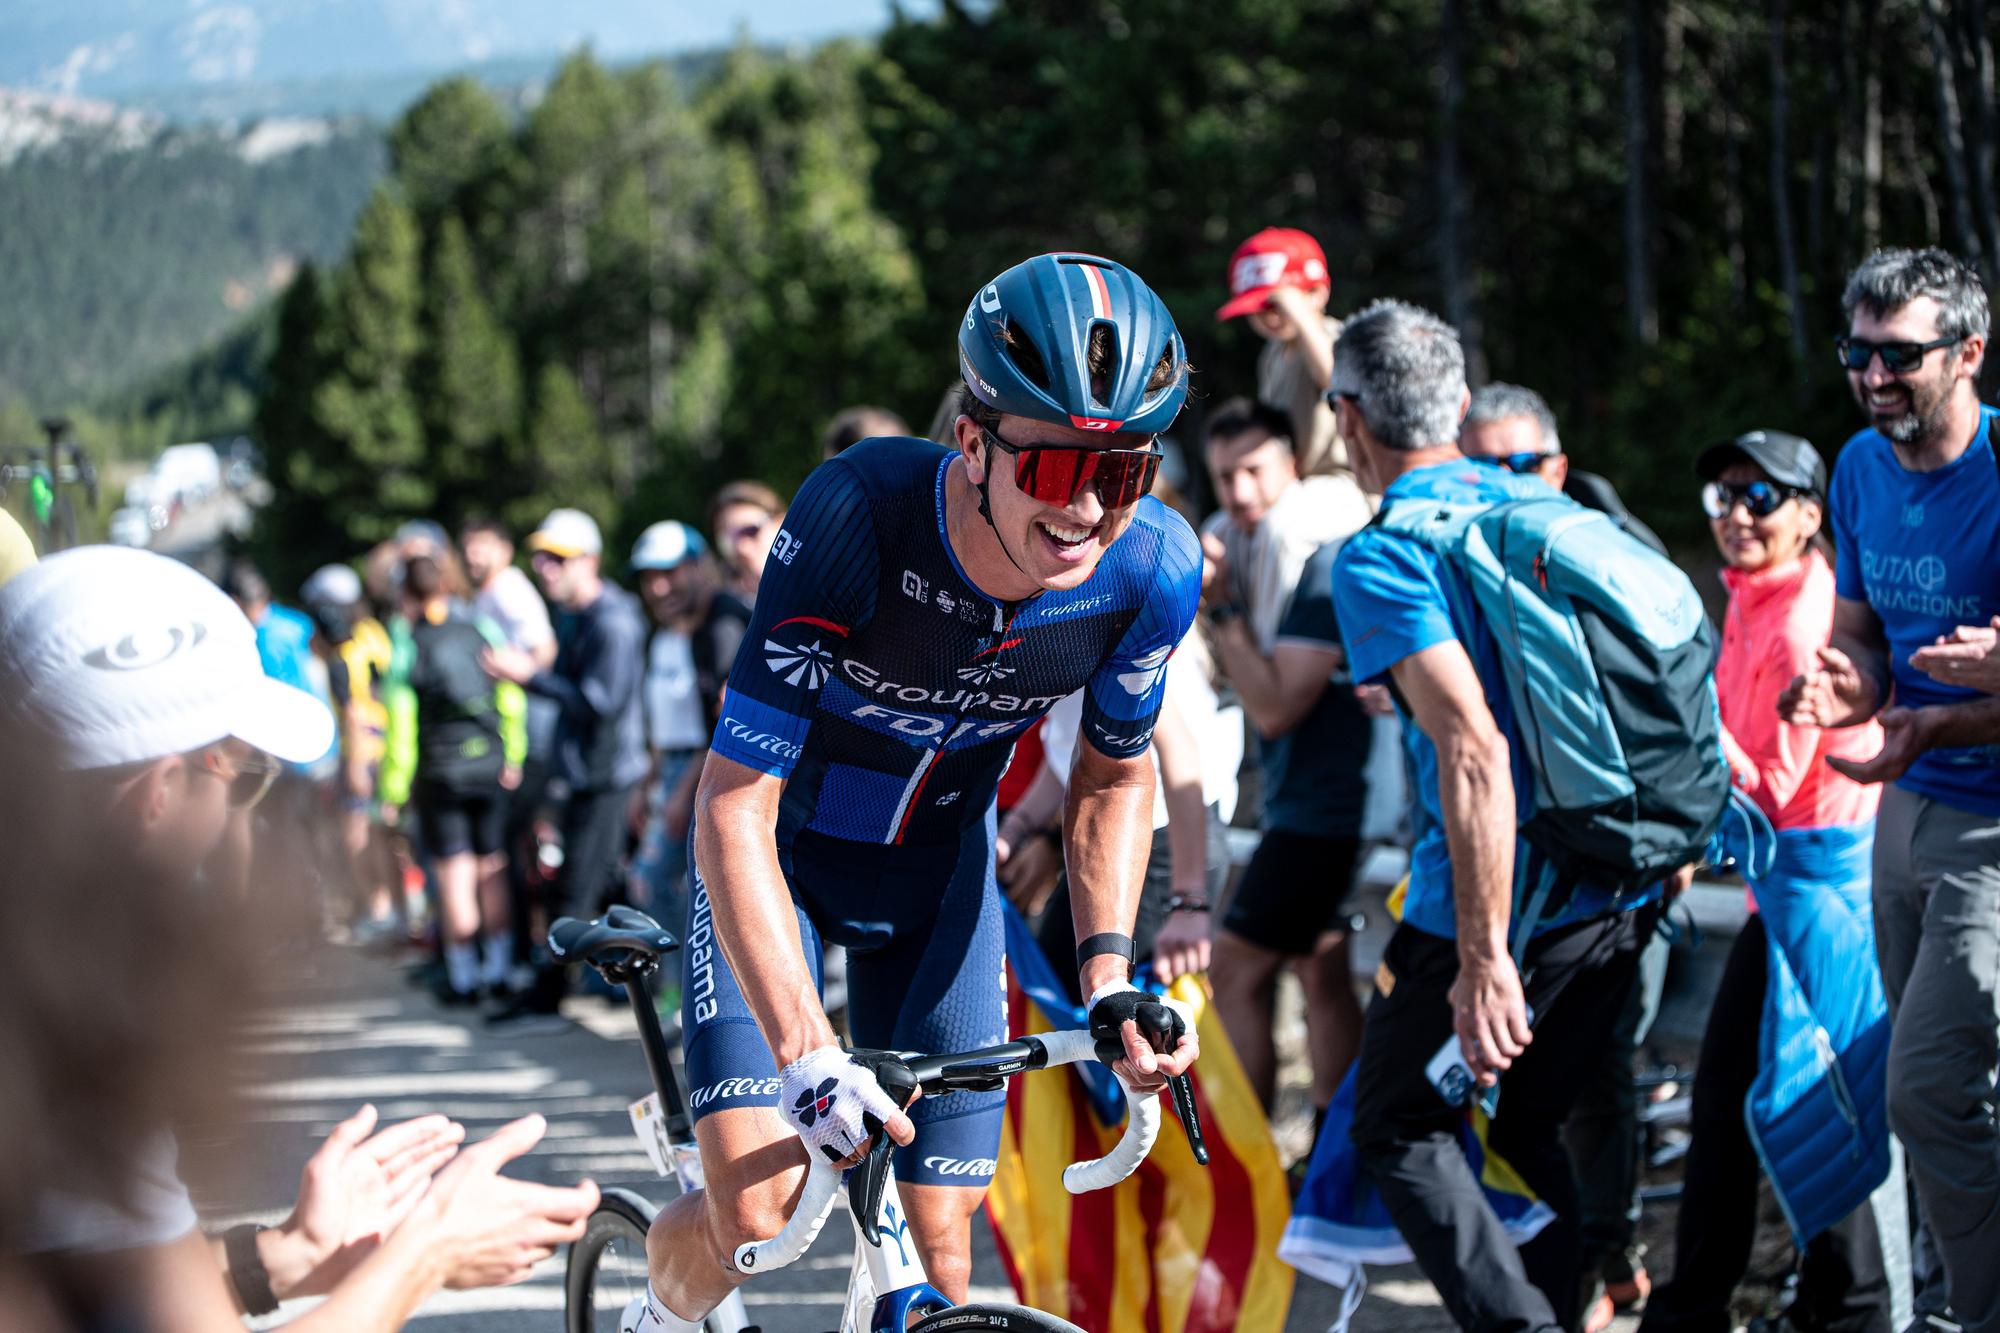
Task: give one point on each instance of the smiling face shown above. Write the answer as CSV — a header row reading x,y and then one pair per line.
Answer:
x,y
1752,544
1910,406
1251,470
1056,546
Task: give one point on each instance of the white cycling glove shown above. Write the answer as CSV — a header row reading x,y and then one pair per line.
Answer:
x,y
824,1094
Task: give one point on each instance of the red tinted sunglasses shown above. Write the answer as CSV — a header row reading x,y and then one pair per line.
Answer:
x,y
1054,473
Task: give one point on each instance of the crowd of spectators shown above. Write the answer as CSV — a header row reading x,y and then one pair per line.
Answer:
x,y
460,753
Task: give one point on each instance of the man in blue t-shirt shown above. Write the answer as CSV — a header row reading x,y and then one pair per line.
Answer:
x,y
1408,620
1915,504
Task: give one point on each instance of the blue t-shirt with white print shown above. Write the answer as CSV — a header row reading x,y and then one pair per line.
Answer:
x,y
1923,550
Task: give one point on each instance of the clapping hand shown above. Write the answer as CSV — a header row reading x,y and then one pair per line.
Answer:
x,y
489,1230
1835,693
354,1191
1969,656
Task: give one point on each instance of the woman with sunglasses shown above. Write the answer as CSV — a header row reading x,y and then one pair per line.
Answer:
x,y
1804,963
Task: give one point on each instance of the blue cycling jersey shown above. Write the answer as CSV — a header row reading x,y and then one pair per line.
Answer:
x,y
889,689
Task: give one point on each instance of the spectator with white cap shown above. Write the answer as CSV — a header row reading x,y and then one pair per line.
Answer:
x,y
696,629
600,740
138,721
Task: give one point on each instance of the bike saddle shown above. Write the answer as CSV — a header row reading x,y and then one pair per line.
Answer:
x,y
625,931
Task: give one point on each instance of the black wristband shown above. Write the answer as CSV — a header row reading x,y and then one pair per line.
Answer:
x,y
1178,903
1109,941
246,1270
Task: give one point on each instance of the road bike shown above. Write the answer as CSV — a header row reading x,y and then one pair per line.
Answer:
x,y
887,1288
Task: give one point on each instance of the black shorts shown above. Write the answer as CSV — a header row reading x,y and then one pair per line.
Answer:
x,y
1293,891
451,822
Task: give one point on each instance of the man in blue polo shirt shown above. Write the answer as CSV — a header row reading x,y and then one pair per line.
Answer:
x,y
1915,504
1408,619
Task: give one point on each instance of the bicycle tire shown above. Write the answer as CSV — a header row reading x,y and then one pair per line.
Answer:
x,y
988,1317
621,1219
620,1215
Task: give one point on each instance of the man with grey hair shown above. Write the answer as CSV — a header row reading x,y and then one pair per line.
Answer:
x,y
1511,426
1449,969
1915,505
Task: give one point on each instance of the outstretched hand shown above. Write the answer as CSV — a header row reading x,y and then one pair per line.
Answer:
x,y
1905,735
1969,656
488,1230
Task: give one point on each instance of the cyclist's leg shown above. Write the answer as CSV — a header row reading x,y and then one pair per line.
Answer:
x,y
939,987
752,1160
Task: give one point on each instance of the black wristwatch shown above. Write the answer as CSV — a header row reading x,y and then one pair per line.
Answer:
x,y
246,1269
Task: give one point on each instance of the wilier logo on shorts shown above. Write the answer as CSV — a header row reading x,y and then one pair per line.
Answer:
x,y
952,1166
734,1087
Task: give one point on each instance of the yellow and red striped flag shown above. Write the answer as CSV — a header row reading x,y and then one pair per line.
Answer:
x,y
1178,1248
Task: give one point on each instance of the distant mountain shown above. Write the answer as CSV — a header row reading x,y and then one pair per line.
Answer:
x,y
151,52
131,242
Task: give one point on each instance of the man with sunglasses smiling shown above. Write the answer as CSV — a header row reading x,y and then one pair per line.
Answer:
x,y
1915,504
920,608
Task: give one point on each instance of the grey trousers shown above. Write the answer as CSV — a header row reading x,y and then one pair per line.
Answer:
x,y
1937,935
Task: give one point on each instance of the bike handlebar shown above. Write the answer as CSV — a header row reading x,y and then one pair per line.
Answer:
x,y
935,1073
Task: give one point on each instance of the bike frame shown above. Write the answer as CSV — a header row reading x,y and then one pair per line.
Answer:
x,y
892,1272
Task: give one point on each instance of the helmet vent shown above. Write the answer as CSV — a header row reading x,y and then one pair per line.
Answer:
x,y
1027,358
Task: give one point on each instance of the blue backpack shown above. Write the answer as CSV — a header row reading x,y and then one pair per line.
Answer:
x,y
1609,661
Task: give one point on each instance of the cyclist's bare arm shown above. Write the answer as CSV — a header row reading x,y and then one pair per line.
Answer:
x,y
1476,797
736,851
1108,836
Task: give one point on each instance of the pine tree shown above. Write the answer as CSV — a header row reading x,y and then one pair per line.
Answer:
x,y
450,138
366,404
470,386
564,454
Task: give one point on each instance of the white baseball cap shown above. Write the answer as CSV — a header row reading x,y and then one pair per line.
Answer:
x,y
567,532
113,655
667,544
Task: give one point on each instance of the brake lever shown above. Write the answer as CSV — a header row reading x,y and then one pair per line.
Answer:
x,y
1182,1087
867,1181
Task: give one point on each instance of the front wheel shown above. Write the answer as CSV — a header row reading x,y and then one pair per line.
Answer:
x,y
990,1318
607,1265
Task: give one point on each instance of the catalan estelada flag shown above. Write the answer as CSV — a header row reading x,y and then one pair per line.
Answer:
x,y
1178,1248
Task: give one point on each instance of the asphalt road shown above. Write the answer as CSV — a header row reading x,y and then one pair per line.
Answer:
x,y
348,1030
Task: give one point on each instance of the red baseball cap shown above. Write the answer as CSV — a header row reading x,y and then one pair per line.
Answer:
x,y
1275,257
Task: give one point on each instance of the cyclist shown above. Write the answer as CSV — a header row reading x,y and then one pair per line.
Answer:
x,y
920,608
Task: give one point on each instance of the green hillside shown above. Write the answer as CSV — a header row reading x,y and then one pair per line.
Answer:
x,y
123,259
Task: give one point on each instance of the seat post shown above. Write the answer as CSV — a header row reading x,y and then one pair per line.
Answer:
x,y
659,1063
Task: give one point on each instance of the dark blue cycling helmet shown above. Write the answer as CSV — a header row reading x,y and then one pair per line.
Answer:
x,y
1054,302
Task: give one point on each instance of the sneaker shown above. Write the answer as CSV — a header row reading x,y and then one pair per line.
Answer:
x,y
442,991
1631,1293
1599,1316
